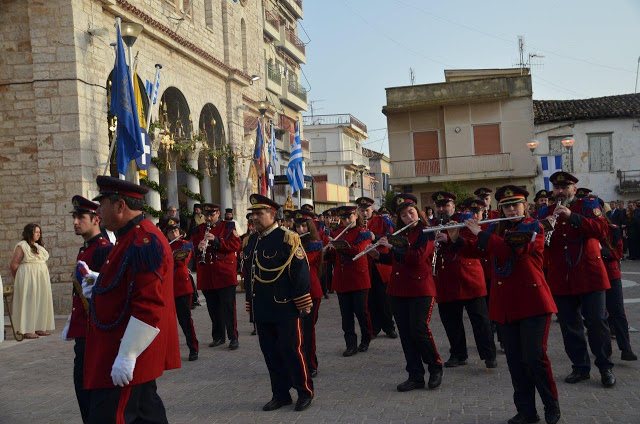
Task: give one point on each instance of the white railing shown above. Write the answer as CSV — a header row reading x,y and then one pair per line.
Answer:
x,y
451,165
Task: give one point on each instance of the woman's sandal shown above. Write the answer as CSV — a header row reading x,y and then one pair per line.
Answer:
x,y
30,336
43,333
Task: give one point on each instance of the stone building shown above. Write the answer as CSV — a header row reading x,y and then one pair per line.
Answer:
x,y
55,63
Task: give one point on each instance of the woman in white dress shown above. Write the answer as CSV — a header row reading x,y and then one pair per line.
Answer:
x,y
32,300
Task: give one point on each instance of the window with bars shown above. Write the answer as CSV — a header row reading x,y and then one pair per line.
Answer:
x,y
556,148
600,158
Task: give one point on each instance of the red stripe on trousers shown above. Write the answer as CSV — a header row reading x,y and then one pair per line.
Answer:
x,y
433,342
303,363
314,319
546,361
125,392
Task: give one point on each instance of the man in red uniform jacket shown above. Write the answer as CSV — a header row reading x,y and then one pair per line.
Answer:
x,y
217,273
380,274
460,285
578,279
132,334
484,193
94,251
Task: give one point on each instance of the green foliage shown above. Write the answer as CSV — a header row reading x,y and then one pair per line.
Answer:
x,y
231,162
186,213
191,170
154,186
159,163
197,196
388,199
152,212
457,189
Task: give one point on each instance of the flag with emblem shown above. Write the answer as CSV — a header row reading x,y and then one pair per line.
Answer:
x,y
295,169
550,165
123,105
142,173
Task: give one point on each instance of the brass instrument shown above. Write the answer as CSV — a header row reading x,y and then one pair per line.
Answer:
x,y
547,235
376,244
203,251
324,249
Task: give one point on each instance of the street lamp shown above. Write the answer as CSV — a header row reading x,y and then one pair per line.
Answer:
x,y
532,145
568,142
361,169
254,78
263,106
130,32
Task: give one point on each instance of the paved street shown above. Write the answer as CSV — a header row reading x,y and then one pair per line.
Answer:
x,y
224,386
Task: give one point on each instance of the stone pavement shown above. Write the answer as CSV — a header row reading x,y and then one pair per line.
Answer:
x,y
231,386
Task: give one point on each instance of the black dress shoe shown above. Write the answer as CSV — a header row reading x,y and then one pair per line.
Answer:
x,y
392,334
302,404
409,385
491,363
326,296
216,343
628,355
193,356
524,419
607,378
254,332
350,351
576,377
274,404
363,347
313,373
233,345
552,415
455,362
435,379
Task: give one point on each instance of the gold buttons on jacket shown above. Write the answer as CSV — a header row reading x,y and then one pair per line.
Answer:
x,y
397,273
535,285
107,261
499,283
137,226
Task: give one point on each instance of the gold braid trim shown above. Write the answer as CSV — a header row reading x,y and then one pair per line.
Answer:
x,y
293,240
245,241
78,287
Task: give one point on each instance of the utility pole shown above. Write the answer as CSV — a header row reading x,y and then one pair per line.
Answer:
x,y
637,69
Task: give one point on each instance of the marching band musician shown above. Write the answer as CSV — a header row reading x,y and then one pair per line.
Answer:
x,y
94,251
541,202
460,285
412,292
182,288
132,335
217,273
484,194
277,272
313,248
520,300
379,304
351,278
578,279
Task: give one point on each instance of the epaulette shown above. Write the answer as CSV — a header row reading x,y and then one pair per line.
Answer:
x,y
230,225
591,207
145,253
291,238
533,226
245,241
364,235
313,246
387,220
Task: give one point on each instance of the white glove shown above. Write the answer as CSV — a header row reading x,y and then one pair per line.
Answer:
x,y
88,280
137,337
66,329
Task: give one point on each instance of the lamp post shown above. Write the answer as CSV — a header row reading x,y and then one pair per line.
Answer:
x,y
361,169
532,145
130,32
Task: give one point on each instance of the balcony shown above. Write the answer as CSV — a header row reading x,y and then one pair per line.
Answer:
x,y
295,96
335,120
629,182
339,157
274,80
459,167
290,42
295,7
271,25
326,192
356,192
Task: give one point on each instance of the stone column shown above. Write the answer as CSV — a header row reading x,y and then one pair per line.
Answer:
x,y
226,200
153,173
172,185
205,184
193,184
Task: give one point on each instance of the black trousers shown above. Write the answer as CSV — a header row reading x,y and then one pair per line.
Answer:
x,y
572,309
379,304
355,303
329,276
451,316
309,331
194,298
183,311
323,278
617,316
78,372
413,315
281,345
494,328
525,343
131,404
221,304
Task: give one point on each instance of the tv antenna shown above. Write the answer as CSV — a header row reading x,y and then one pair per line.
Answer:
x,y
528,64
313,109
412,76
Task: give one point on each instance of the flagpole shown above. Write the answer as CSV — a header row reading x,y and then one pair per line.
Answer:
x,y
153,90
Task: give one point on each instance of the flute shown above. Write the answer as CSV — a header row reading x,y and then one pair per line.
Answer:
x,y
339,235
460,225
175,239
376,244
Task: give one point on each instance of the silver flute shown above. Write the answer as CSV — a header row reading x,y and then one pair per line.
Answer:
x,y
460,225
339,235
547,235
376,244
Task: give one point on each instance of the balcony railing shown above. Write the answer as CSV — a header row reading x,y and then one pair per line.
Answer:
x,y
337,119
273,74
293,38
272,19
352,156
451,165
297,90
629,181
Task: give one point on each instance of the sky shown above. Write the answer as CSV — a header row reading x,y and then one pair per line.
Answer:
x,y
357,48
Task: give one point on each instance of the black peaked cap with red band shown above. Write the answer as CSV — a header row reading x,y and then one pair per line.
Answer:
x,y
401,201
109,185
82,205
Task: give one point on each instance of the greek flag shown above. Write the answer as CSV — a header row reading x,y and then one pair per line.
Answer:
x,y
272,146
155,91
295,169
550,164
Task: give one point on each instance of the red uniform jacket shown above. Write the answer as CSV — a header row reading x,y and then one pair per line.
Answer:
x,y
349,275
518,286
94,252
182,252
411,274
613,256
313,250
458,277
575,261
493,214
220,267
539,214
380,226
136,280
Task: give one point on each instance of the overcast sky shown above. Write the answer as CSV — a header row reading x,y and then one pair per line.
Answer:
x,y
358,47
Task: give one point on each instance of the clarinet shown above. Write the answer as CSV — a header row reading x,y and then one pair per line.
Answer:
x,y
547,235
434,261
203,251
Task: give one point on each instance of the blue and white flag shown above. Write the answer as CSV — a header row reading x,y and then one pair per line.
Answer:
x,y
550,164
295,169
270,176
123,105
272,146
155,90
